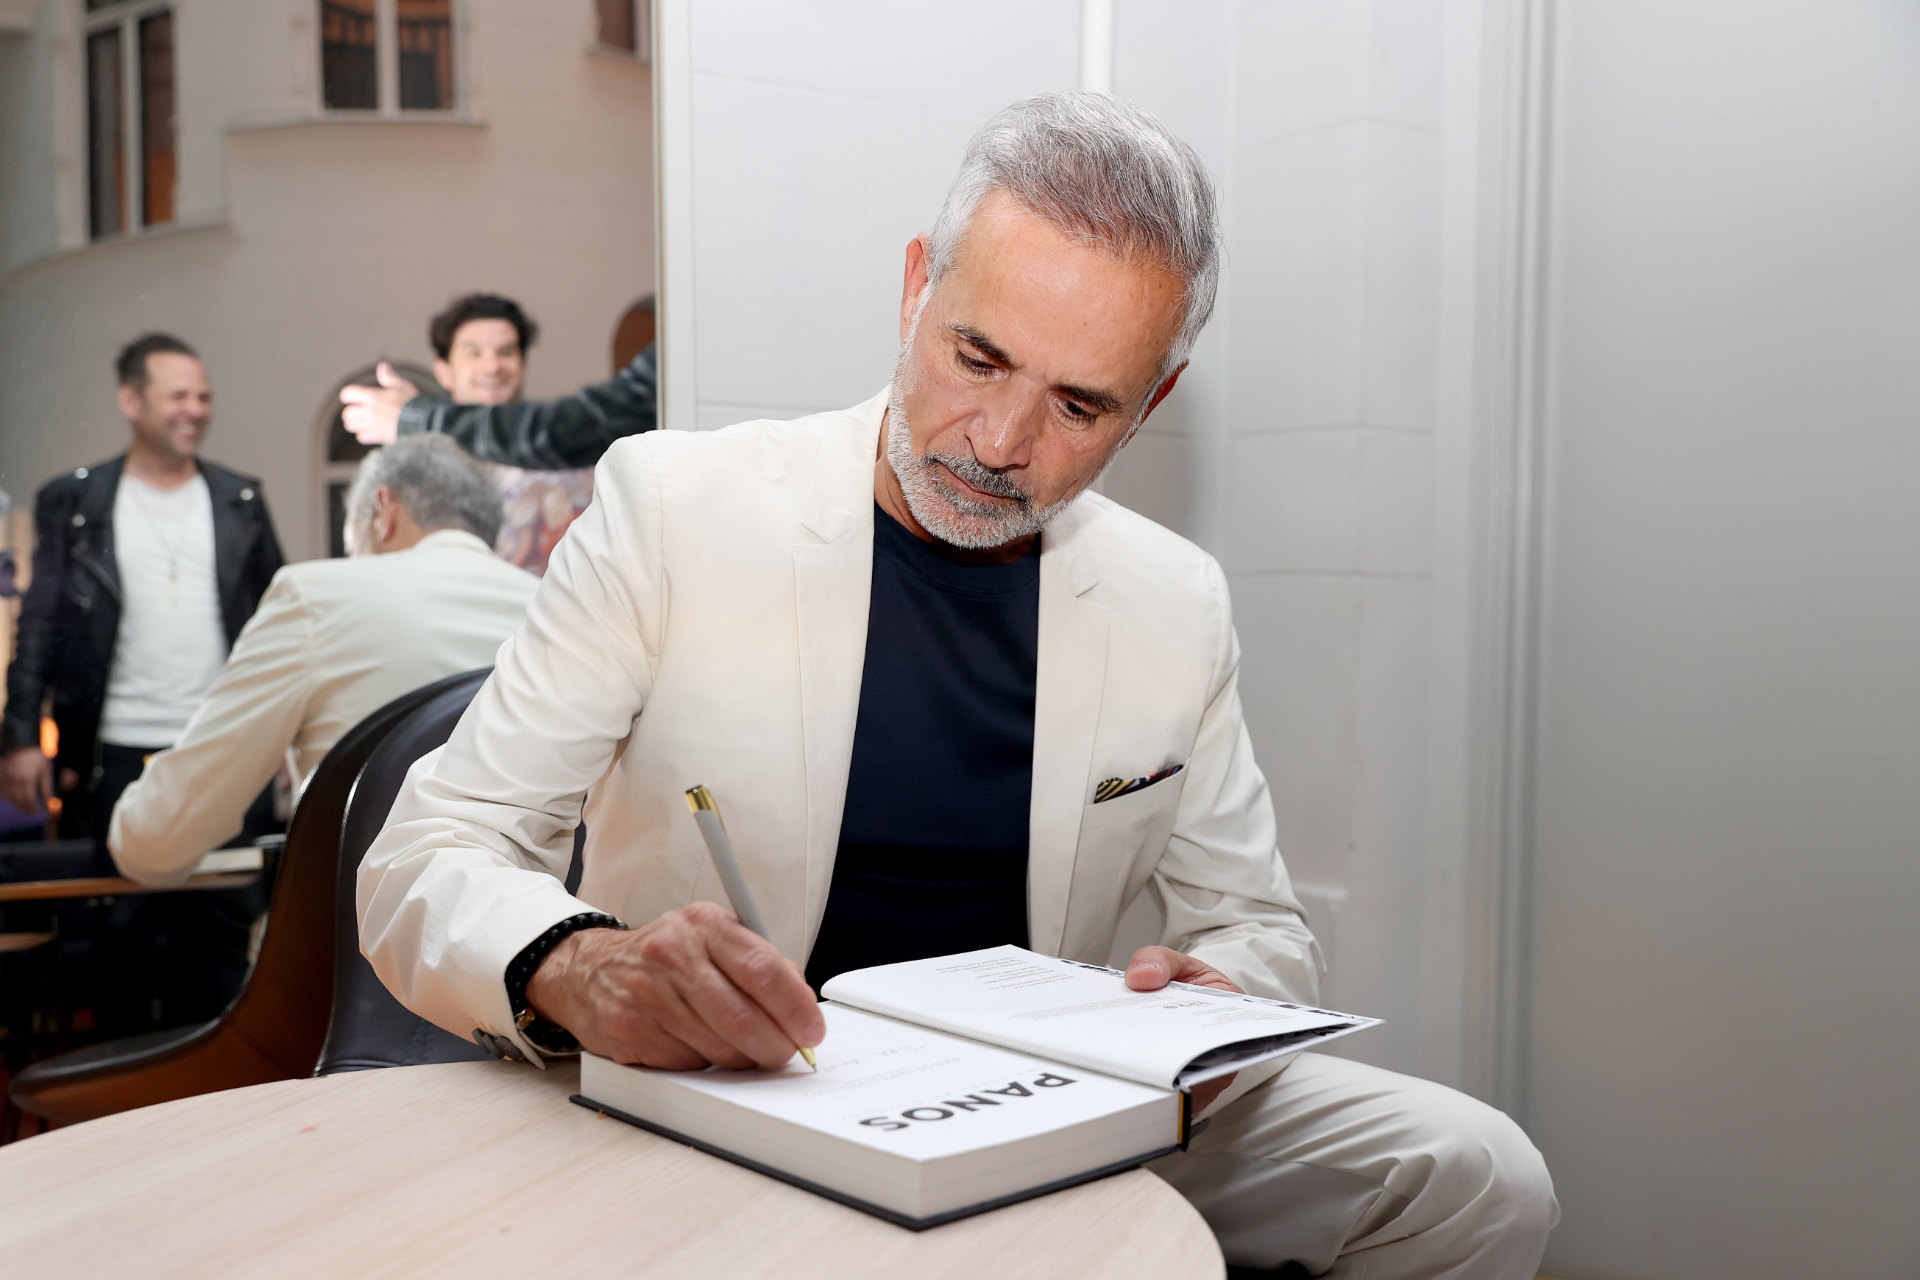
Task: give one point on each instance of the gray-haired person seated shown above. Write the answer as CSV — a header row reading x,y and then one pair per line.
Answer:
x,y
948,699
420,596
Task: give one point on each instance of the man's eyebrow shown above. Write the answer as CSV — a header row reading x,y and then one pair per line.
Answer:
x,y
1104,401
986,346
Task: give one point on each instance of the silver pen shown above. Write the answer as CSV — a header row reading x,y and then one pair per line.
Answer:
x,y
707,815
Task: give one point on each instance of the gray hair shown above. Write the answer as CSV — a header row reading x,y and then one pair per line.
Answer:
x,y
1101,170
439,484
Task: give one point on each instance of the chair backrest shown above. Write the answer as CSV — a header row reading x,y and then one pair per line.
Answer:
x,y
368,1027
283,1009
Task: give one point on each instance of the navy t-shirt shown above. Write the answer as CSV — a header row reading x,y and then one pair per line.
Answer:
x,y
933,841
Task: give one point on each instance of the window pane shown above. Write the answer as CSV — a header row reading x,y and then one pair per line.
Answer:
x,y
426,54
337,517
156,119
106,149
349,75
617,27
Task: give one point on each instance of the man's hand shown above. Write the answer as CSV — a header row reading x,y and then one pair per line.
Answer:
x,y
1153,968
690,988
372,414
26,779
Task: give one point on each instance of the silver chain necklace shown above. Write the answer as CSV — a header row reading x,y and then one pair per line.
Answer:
x,y
171,547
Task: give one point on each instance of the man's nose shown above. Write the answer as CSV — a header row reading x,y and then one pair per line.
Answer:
x,y
1003,436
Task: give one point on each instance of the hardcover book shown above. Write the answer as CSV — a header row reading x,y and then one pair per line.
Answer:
x,y
961,1083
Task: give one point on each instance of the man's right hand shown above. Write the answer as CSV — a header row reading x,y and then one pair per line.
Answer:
x,y
26,779
691,988
372,414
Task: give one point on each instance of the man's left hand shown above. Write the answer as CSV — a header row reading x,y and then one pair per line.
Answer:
x,y
1153,968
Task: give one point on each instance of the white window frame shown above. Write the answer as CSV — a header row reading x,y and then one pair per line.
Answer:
x,y
386,68
126,16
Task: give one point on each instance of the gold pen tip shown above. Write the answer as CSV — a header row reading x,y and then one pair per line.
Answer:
x,y
807,1054
699,798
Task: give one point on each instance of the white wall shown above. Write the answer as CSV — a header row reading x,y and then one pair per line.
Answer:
x,y
1300,453
1726,1041
823,138
309,246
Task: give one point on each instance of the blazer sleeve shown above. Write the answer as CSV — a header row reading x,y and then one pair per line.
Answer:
x,y
469,868
28,674
1221,882
194,796
547,435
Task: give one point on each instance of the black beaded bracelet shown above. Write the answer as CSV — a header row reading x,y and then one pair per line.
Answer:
x,y
546,1036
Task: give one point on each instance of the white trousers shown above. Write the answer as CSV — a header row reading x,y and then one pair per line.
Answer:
x,y
1364,1174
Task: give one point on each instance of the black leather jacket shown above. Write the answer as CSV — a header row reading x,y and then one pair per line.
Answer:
x,y
71,614
548,435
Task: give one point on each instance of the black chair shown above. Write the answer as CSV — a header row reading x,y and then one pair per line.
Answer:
x,y
369,1028
275,1028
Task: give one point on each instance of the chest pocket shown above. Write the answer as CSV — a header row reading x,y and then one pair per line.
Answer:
x,y
1138,808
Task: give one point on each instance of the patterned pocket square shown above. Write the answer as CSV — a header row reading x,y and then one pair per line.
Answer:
x,y
1114,788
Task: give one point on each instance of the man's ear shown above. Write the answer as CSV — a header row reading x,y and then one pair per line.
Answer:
x,y
914,284
1159,393
385,511
443,374
131,402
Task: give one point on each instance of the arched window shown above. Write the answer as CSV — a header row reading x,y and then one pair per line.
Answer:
x,y
340,453
635,331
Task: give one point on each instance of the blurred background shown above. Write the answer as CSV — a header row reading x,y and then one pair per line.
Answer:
x,y
1556,429
295,187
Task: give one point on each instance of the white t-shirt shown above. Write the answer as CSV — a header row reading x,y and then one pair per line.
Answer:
x,y
172,643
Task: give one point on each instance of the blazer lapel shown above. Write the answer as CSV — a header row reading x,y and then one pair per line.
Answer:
x,y
1070,682
833,587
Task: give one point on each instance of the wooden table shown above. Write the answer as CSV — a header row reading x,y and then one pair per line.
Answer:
x,y
221,869
485,1169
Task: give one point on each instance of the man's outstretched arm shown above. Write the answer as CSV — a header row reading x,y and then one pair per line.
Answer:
x,y
541,435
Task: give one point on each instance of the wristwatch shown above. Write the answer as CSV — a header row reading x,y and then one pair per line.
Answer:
x,y
546,1036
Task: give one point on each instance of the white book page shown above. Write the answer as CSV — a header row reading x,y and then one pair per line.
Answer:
x,y
1085,1014
910,1091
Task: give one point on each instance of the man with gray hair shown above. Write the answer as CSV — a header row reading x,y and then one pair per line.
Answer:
x,y
948,699
420,596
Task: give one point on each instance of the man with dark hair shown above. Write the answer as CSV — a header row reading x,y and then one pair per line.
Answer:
x,y
420,596
544,435
145,568
480,345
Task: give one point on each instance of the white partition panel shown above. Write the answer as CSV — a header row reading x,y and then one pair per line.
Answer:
x,y
817,140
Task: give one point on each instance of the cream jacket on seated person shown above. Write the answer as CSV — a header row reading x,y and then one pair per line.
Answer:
x,y
332,641
705,621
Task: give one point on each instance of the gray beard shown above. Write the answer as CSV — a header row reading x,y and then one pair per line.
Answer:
x,y
949,515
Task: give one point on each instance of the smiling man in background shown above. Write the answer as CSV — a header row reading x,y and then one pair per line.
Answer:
x,y
145,569
948,699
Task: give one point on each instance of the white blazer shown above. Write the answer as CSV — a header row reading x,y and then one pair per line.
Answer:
x,y
705,621
332,641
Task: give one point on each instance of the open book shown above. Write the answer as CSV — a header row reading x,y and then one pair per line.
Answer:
x,y
958,1084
